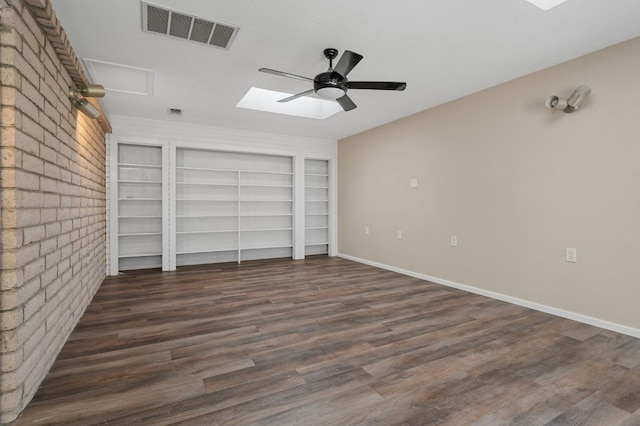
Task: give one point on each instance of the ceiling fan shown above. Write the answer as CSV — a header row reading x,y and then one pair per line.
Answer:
x,y
333,83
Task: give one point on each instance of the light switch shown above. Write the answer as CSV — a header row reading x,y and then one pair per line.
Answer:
x,y
413,183
571,255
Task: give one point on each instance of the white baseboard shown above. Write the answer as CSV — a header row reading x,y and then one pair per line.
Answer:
x,y
619,328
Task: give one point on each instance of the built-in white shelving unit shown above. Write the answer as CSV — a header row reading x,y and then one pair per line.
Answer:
x,y
232,206
185,194
139,192
316,187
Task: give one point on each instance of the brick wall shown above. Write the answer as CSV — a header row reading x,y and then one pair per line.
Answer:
x,y
52,196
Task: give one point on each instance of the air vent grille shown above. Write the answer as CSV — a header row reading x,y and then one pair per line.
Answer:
x,y
187,27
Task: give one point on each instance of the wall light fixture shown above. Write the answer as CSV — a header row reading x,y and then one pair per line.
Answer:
x,y
569,105
82,104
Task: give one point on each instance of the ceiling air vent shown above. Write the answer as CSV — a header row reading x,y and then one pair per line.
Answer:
x,y
169,22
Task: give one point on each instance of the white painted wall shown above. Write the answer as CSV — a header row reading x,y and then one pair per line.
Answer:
x,y
517,184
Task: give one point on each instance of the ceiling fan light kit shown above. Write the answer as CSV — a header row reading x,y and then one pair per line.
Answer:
x,y
333,83
330,92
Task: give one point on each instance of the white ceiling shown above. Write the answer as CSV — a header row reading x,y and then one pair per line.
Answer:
x,y
443,49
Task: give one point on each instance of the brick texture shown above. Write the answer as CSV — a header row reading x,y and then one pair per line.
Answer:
x,y
52,194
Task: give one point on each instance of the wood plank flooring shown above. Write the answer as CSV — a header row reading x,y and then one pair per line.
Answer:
x,y
327,341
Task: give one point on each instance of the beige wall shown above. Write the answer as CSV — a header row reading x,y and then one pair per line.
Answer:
x,y
517,184
52,195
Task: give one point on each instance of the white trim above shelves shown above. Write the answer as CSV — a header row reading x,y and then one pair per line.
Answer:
x,y
139,217
140,234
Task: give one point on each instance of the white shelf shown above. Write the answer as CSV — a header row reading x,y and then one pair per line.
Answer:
x,y
316,185
264,247
206,184
139,217
182,203
245,200
139,165
230,171
244,185
223,200
141,182
206,169
208,251
268,215
222,231
238,187
140,206
130,256
266,229
203,216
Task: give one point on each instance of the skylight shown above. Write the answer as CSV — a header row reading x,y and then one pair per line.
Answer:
x,y
306,106
546,4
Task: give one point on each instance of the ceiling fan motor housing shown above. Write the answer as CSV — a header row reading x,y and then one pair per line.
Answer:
x,y
327,85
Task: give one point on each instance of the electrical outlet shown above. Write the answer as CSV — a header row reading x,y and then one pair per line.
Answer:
x,y
366,230
454,241
571,255
413,183
399,235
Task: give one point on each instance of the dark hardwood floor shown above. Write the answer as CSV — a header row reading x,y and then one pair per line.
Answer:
x,y
327,341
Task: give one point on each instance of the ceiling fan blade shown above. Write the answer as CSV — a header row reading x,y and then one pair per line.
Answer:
x,y
299,95
346,103
376,85
347,61
285,74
